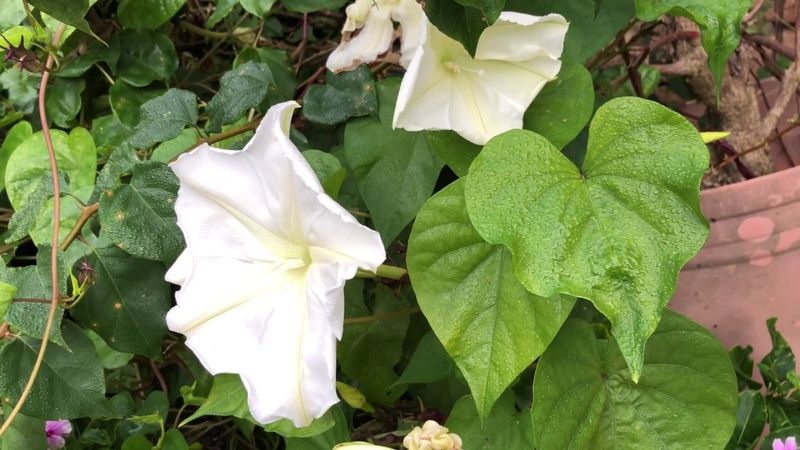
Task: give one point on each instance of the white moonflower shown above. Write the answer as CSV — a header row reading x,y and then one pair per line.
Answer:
x,y
374,20
479,98
262,277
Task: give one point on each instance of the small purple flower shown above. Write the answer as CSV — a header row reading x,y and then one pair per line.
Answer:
x,y
790,444
56,431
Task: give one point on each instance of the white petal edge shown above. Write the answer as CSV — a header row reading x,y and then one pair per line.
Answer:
x,y
517,37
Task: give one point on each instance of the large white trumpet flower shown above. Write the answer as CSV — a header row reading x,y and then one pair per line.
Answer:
x,y
262,277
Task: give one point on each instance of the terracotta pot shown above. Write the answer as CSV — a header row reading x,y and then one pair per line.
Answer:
x,y
749,270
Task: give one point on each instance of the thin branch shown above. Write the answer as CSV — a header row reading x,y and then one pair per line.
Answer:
x,y
54,293
377,317
771,44
86,213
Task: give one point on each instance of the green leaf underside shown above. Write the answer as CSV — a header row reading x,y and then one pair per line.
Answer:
x,y
240,89
349,94
140,216
489,323
128,301
685,398
70,383
719,22
380,156
615,232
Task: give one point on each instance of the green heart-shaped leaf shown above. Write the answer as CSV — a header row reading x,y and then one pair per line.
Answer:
x,y
616,231
491,326
686,397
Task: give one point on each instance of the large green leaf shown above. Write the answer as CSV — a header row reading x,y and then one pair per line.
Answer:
x,y
147,13
11,14
25,433
429,363
368,352
70,383
462,23
164,117
144,56
486,319
338,433
75,154
280,64
7,293
685,398
328,169
589,31
140,218
381,156
70,12
505,428
346,95
240,89
127,302
617,231
719,22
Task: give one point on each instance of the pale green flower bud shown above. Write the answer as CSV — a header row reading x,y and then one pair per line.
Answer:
x,y
432,436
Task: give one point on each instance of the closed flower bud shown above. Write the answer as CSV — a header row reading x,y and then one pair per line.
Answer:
x,y
432,436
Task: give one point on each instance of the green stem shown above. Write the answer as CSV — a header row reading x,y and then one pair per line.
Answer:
x,y
385,271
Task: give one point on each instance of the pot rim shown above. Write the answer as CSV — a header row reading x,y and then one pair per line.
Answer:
x,y
763,193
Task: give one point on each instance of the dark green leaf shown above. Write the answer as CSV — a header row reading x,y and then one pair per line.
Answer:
x,y
505,428
11,14
109,358
221,10
346,95
718,21
307,6
743,364
140,218
108,133
127,100
63,100
751,416
121,161
615,232
227,397
588,31
70,383
28,318
337,434
778,363
174,440
128,301
25,433
685,398
454,150
368,351
165,117
462,23
144,56
280,65
380,156
240,89
486,319
491,9
147,13
23,220
70,12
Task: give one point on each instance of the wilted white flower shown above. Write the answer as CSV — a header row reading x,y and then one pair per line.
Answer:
x,y
374,22
432,436
481,97
262,277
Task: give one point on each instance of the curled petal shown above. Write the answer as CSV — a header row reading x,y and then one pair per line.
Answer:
x,y
374,39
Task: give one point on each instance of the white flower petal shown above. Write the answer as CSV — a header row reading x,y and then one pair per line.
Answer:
x,y
519,37
263,274
446,89
373,19
374,39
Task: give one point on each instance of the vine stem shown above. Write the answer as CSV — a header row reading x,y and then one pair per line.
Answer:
x,y
54,293
86,213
